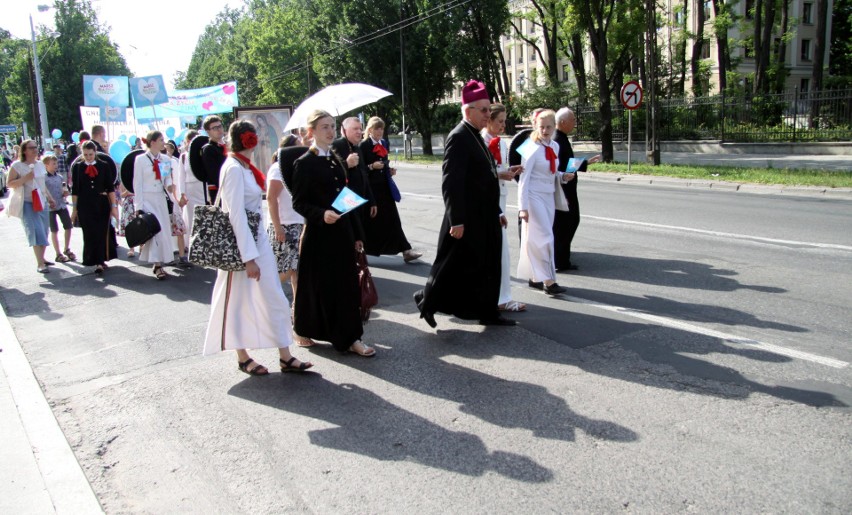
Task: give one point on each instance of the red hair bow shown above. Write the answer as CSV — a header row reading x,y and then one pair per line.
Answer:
x,y
380,150
494,147
248,139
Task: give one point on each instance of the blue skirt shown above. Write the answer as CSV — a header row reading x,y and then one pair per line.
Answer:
x,y
36,225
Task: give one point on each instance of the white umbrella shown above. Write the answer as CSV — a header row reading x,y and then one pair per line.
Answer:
x,y
337,100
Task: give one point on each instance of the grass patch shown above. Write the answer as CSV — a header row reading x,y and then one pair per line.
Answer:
x,y
778,176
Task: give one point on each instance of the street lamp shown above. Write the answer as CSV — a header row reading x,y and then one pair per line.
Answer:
x,y
42,108
520,81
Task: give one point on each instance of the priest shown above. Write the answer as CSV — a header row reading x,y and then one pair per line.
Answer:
x,y
465,277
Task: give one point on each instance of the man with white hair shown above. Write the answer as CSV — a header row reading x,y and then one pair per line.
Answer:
x,y
346,148
566,222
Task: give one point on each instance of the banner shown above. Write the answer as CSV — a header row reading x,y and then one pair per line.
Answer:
x,y
148,91
221,98
105,90
130,126
113,114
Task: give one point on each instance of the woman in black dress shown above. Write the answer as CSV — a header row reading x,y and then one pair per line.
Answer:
x,y
327,306
383,233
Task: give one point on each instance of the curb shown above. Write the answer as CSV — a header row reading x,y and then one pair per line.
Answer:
x,y
64,480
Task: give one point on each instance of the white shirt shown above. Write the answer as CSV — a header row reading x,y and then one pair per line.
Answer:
x,y
145,183
537,175
286,214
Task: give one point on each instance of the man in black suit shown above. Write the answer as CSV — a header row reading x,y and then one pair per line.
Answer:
x,y
213,154
465,277
566,222
347,149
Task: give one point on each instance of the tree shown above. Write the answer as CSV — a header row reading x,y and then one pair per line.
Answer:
x,y
840,63
698,49
548,15
10,49
81,46
478,44
614,28
723,20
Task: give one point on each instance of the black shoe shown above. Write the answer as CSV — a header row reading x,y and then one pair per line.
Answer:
x,y
535,285
568,268
425,315
554,289
498,320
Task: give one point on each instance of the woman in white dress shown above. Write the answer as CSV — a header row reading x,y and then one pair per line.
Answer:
x,y
537,208
152,178
190,188
500,151
249,309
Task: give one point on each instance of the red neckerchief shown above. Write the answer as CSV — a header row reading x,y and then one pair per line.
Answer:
x,y
91,171
380,150
259,178
156,164
550,155
224,149
494,147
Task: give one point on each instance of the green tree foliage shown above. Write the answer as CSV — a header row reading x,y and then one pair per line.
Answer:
x,y
840,61
80,46
479,53
10,50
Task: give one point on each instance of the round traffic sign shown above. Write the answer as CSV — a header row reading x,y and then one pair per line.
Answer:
x,y
631,95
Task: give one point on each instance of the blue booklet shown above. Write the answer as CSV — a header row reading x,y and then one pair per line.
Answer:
x,y
576,165
347,201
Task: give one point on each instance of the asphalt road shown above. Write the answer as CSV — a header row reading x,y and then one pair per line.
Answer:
x,y
700,362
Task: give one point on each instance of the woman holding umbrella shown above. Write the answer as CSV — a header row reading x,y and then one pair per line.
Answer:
x,y
383,233
328,300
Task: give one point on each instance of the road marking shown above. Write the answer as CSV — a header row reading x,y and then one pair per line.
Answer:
x,y
720,234
677,324
683,326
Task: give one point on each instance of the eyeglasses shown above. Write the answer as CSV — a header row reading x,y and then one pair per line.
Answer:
x,y
30,147
483,110
215,127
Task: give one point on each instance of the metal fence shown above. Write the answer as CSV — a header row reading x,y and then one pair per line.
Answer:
x,y
786,117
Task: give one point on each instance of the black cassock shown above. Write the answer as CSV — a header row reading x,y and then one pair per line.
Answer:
x,y
465,278
384,234
93,211
565,223
328,301
358,181
213,155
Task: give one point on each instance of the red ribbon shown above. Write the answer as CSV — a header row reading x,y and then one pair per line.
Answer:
x,y
157,169
494,147
91,171
550,155
37,205
224,149
259,178
380,150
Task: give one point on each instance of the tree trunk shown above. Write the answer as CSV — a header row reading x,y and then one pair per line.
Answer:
x,y
697,48
579,67
682,51
758,15
652,136
761,78
505,87
722,48
781,49
819,61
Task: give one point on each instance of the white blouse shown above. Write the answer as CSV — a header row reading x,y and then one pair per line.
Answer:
x,y
286,214
537,176
145,183
239,192
38,180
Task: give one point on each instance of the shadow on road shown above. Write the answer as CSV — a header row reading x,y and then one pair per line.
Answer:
x,y
370,426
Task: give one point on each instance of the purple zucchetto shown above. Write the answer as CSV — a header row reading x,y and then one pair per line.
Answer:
x,y
473,91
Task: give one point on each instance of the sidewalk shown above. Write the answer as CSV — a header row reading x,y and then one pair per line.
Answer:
x,y
40,474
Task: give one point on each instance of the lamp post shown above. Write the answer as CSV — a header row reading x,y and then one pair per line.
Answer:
x,y
42,107
520,81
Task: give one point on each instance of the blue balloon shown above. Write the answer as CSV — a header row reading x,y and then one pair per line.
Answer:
x,y
181,136
122,137
75,137
170,132
119,150
56,133
132,140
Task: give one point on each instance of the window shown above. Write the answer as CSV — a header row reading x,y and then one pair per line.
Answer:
x,y
748,51
511,80
708,10
520,51
532,53
565,73
679,18
806,50
808,13
749,9
804,85
531,26
705,50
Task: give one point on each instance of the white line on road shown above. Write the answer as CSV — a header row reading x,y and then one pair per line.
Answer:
x,y
677,324
688,229
683,326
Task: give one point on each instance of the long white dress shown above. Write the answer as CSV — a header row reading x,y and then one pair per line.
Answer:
x,y
535,195
246,313
150,196
505,263
190,186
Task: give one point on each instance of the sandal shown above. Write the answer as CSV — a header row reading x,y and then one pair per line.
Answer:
x,y
513,306
257,370
361,349
159,273
70,255
301,341
99,270
49,263
287,366
131,254
62,259
43,270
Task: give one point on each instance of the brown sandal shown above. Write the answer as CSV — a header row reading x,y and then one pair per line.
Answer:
x,y
258,370
159,273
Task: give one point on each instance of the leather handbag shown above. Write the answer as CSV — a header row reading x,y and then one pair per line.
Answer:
x,y
213,243
559,194
369,295
141,229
